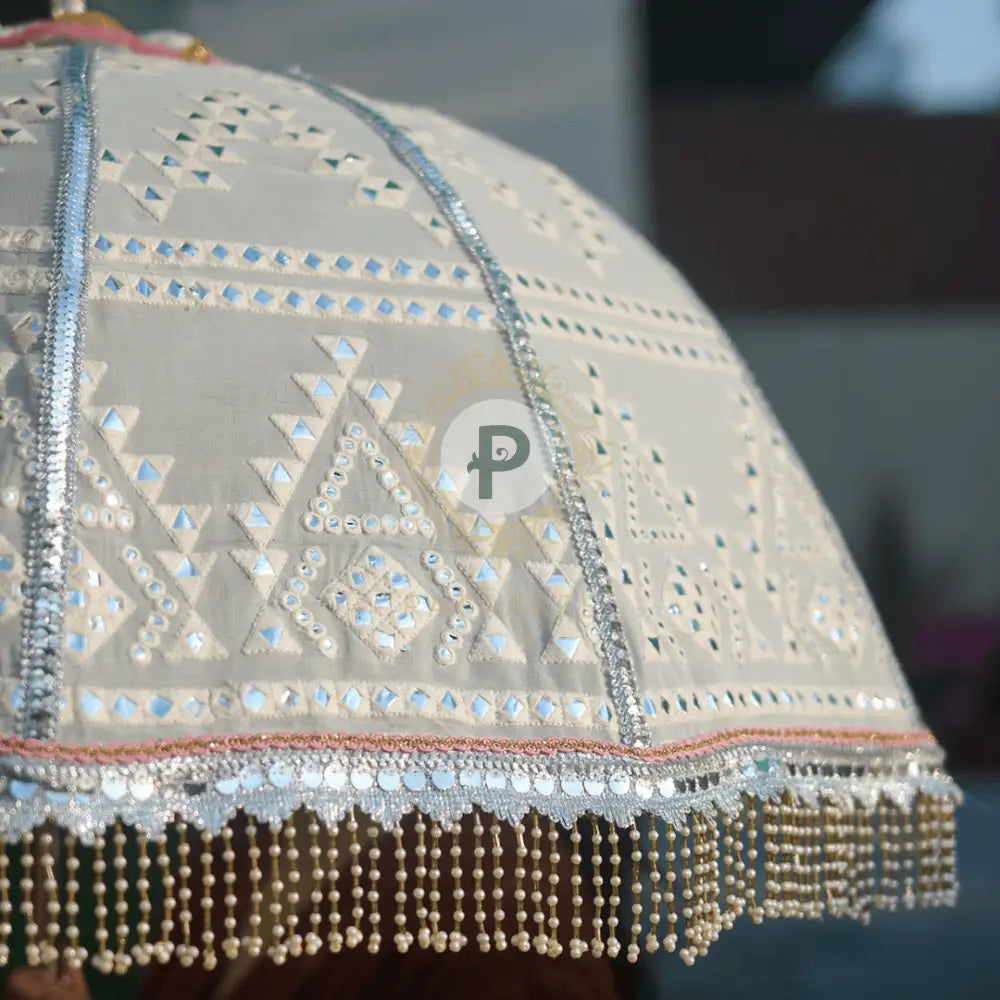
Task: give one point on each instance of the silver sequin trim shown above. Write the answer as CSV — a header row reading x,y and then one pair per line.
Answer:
x,y
50,534
271,784
619,669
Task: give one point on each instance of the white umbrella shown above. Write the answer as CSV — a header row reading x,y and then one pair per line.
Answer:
x,y
363,474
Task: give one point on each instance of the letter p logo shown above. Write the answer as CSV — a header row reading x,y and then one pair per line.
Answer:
x,y
491,459
508,471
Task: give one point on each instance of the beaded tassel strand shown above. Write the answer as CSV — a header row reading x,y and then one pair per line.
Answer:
x,y
496,852
685,884
50,886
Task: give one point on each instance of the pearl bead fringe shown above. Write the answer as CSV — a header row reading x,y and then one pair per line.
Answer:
x,y
302,886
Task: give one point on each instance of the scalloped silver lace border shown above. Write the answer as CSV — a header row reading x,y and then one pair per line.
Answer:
x,y
208,790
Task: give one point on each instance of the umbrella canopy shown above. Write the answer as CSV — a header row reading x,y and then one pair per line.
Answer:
x,y
362,474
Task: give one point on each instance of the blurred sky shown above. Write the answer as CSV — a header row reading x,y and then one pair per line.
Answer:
x,y
932,55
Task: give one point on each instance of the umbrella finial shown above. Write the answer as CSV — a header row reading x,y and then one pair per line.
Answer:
x,y
61,8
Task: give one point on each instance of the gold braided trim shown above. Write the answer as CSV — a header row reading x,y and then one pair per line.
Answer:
x,y
592,888
124,753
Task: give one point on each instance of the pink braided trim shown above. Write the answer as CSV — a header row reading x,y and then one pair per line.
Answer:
x,y
76,32
195,746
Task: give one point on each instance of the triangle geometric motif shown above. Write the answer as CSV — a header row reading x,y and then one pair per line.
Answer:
x,y
791,636
487,574
597,455
776,479
111,165
357,449
434,226
270,634
412,441
585,237
280,474
345,352
331,161
35,371
384,191
7,361
322,390
581,236
301,432
550,533
557,580
659,643
480,530
574,637
683,612
201,141
184,169
370,611
834,618
378,395
195,641
310,137
259,521
96,608
231,106
113,423
731,593
263,566
643,472
90,379
748,465
148,474
801,524
646,477
800,521
676,609
495,642
183,523
339,162
188,571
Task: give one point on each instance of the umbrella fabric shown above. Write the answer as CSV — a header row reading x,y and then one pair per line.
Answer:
x,y
365,481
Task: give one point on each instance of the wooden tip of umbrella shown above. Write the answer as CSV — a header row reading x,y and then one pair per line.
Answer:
x,y
302,885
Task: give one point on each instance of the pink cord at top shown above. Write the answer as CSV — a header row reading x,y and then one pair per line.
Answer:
x,y
76,31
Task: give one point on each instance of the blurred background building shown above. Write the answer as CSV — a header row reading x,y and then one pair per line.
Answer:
x,y
827,174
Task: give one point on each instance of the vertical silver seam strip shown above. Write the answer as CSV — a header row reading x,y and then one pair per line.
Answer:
x,y
618,664
50,534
